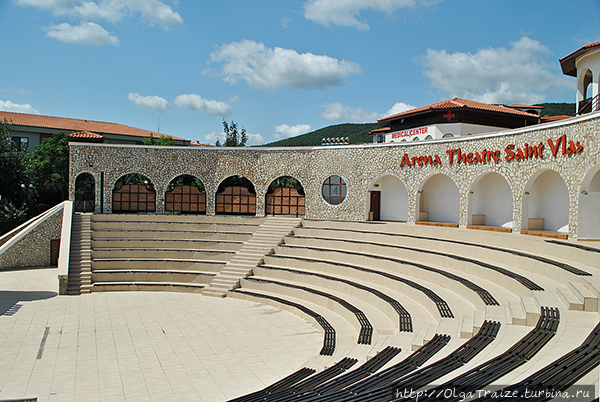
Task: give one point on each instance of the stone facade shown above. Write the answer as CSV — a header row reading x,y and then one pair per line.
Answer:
x,y
360,166
33,250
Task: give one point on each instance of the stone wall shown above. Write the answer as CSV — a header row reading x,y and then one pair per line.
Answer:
x,y
360,166
33,250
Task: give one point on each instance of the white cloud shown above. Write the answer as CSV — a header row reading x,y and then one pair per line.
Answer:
x,y
156,12
9,106
213,137
152,11
520,74
207,106
265,68
341,113
88,33
345,12
253,139
149,102
399,107
287,131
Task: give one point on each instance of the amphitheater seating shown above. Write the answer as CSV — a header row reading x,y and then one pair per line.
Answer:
x,y
479,305
163,252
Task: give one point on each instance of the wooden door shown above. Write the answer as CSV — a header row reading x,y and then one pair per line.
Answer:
x,y
375,205
54,249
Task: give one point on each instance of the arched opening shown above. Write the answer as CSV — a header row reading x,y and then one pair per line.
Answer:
x,y
545,204
388,200
586,92
438,200
428,138
85,193
589,205
588,79
448,135
416,139
491,202
185,195
235,196
285,196
133,193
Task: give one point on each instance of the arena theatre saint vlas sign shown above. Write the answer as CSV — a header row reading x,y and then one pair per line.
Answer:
x,y
511,152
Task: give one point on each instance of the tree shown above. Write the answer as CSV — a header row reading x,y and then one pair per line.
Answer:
x,y
233,137
164,140
12,163
48,170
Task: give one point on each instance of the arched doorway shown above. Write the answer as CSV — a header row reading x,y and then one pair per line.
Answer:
x,y
589,205
133,193
546,203
438,200
235,196
285,196
85,193
491,201
185,195
388,200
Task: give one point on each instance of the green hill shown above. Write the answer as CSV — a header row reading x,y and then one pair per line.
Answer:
x,y
557,109
357,134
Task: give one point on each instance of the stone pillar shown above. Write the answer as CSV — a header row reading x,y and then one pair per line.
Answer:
x,y
261,192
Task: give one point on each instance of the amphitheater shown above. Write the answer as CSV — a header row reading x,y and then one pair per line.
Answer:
x,y
472,275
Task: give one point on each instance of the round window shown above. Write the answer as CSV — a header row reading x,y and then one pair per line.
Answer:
x,y
334,190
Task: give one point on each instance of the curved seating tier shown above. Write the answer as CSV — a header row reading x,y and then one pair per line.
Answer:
x,y
400,306
451,284
163,252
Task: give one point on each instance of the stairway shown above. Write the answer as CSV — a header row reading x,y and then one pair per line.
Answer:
x,y
267,236
80,260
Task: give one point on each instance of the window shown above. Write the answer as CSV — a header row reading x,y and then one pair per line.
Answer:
x,y
20,144
334,190
380,138
448,135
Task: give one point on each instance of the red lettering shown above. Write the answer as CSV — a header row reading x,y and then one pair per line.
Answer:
x,y
414,159
437,160
579,147
554,147
477,158
428,159
451,153
520,154
509,150
405,161
496,156
571,149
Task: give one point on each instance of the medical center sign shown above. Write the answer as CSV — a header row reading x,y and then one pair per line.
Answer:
x,y
560,146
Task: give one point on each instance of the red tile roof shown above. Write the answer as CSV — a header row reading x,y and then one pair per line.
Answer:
x,y
525,106
85,135
567,63
547,119
456,103
63,123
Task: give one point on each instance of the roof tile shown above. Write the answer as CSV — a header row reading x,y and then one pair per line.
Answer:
x,y
63,123
457,103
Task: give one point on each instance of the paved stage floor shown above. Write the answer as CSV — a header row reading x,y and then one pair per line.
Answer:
x,y
140,346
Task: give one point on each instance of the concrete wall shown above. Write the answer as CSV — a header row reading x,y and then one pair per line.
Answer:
x,y
362,165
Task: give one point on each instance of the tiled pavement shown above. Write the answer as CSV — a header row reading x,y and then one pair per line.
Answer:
x,y
140,346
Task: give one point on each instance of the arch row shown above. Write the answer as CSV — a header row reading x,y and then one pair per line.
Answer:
x,y
490,200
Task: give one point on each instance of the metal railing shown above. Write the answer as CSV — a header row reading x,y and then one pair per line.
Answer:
x,y
589,105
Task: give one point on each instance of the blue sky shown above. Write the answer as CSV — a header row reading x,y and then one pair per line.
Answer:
x,y
281,67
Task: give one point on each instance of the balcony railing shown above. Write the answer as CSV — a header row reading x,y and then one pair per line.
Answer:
x,y
589,105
